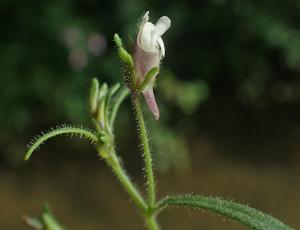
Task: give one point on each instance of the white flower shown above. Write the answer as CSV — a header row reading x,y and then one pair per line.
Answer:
x,y
149,36
146,54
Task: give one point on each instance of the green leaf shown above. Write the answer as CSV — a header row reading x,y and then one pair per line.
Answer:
x,y
244,214
49,220
65,129
94,95
152,73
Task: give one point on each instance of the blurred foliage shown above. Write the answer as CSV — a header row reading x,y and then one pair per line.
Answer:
x,y
50,51
48,221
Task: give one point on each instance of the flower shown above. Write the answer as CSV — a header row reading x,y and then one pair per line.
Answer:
x,y
146,55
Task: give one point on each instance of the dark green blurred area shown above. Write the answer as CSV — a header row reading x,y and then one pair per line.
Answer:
x,y
228,93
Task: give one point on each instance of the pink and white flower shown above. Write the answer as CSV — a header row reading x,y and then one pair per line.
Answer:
x,y
146,55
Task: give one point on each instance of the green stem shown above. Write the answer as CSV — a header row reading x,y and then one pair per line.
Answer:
x,y
148,159
115,108
106,107
152,224
131,189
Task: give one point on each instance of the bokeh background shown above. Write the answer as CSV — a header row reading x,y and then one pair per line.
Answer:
x,y
228,93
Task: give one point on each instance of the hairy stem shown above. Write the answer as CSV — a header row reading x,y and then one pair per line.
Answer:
x,y
147,154
106,107
130,188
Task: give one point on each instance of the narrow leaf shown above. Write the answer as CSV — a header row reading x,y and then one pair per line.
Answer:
x,y
49,219
36,142
244,214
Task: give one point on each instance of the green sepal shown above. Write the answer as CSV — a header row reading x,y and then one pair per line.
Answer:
x,y
125,52
129,44
118,40
126,57
49,220
94,92
152,73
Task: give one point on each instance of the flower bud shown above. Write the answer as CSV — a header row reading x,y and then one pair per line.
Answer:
x,y
94,96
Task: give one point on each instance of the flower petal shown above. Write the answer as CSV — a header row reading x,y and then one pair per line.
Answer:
x,y
144,20
146,37
161,26
150,99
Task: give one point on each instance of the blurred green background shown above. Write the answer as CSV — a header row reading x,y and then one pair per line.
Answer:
x,y
228,93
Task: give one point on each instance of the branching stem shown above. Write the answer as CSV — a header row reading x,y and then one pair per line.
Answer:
x,y
131,189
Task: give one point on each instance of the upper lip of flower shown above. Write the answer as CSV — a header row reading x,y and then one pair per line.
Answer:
x,y
149,36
